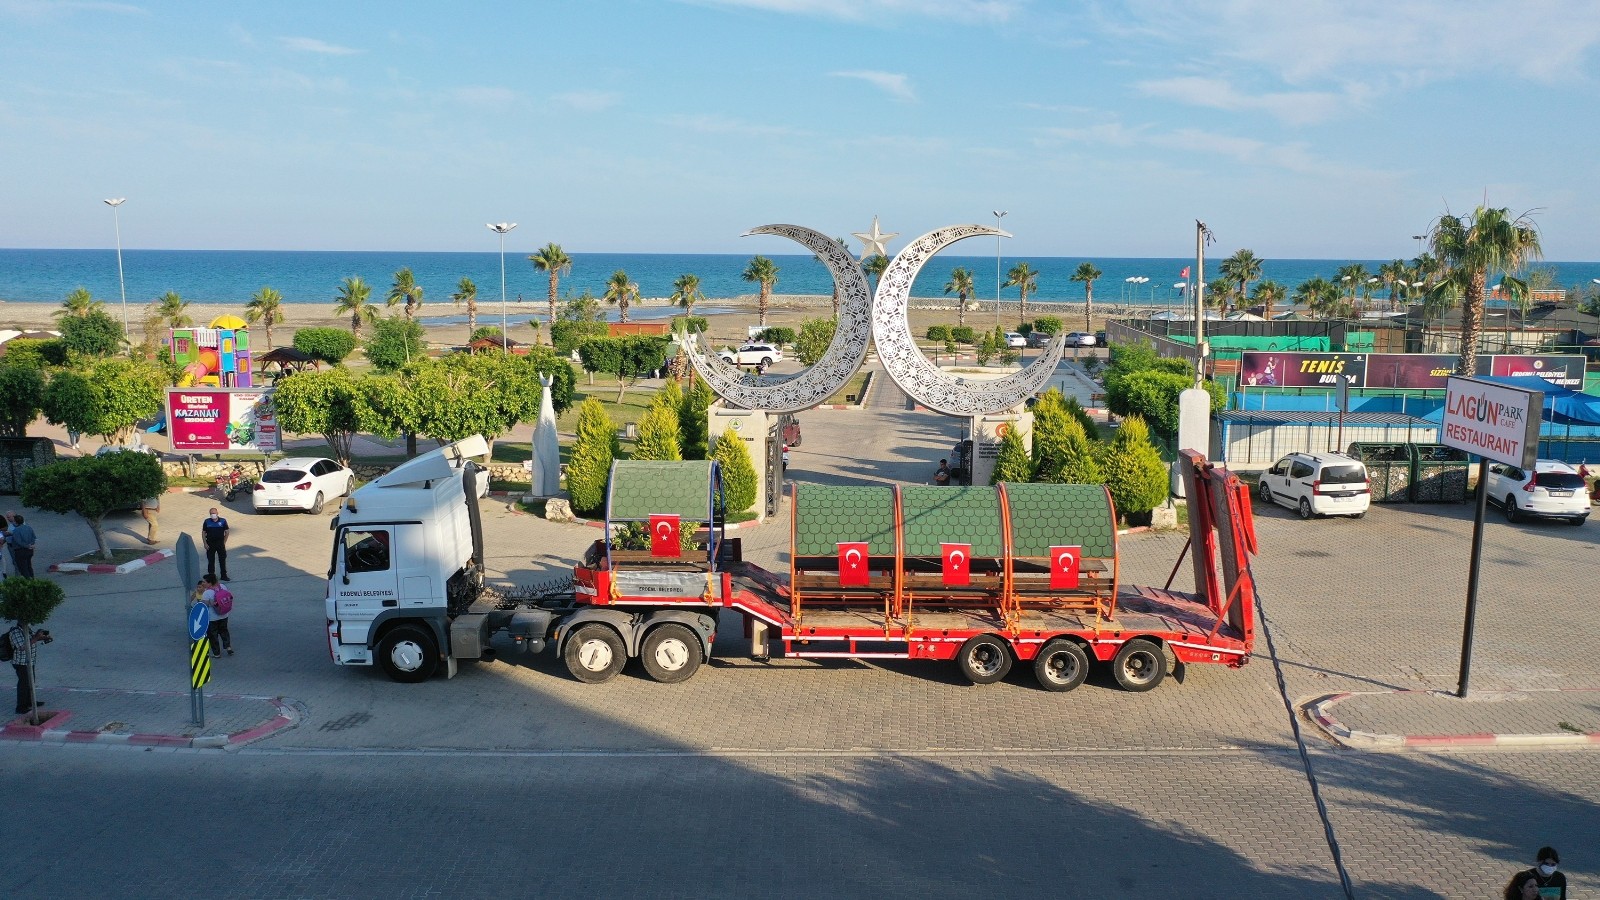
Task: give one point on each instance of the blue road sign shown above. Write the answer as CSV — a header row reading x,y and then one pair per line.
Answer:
x,y
199,621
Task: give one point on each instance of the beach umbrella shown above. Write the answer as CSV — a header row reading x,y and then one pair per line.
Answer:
x,y
228,320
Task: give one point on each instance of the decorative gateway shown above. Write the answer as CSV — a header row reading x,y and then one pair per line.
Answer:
x,y
885,320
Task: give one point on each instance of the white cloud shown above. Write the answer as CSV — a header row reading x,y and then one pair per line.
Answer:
x,y
588,101
881,10
313,45
895,85
1295,107
1294,157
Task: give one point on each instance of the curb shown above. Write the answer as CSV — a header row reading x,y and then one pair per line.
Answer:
x,y
70,568
50,731
1320,711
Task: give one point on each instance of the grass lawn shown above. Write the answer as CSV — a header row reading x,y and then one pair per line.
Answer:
x,y
852,388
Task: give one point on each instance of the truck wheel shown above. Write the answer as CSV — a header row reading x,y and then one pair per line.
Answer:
x,y
594,653
1139,666
1061,666
407,654
984,659
671,653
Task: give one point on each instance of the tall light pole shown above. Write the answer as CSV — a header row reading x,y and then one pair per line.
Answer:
x,y
503,229
998,215
1419,238
116,219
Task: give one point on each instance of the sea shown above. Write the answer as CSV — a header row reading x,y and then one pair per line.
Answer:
x,y
313,276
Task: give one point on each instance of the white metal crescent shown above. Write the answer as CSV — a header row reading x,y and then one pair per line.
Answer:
x,y
922,380
793,393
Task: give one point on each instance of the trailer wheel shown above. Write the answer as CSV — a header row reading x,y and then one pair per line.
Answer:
x,y
1061,665
1139,666
594,653
407,654
984,659
671,653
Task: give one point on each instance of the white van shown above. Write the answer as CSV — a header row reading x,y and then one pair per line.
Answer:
x,y
1318,484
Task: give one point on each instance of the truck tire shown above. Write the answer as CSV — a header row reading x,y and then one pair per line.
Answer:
x,y
671,653
1139,666
1061,665
984,659
594,653
407,654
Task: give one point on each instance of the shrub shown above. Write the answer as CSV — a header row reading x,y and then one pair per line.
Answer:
x,y
985,349
815,336
35,353
738,472
563,380
1076,410
1062,452
329,345
589,466
92,334
1153,395
695,324
1134,472
964,334
21,398
1012,463
777,334
394,343
658,435
692,413
29,601
1050,325
940,333
567,336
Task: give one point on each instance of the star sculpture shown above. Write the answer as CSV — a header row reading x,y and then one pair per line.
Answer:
x,y
872,242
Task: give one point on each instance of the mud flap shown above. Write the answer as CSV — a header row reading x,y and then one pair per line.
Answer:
x,y
1179,670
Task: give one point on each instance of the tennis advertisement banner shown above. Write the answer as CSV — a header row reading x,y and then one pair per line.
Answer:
x,y
1415,371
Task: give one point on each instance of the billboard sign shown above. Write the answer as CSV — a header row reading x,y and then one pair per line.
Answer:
x,y
1302,369
1566,371
1415,371
1492,420
237,420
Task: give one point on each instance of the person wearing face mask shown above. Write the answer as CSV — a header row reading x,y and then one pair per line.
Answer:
x,y
1552,884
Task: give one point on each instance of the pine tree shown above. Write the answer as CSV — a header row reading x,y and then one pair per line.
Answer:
x,y
658,434
1012,463
692,412
589,466
670,396
1134,472
1076,410
1051,423
738,473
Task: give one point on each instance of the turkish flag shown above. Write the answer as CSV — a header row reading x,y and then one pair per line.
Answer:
x,y
1064,568
664,536
1185,272
957,564
853,564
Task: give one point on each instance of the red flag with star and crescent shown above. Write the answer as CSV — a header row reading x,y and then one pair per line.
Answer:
x,y
664,536
1185,272
1064,568
957,564
853,564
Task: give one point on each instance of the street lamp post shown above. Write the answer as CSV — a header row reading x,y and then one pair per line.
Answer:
x,y
1419,238
998,215
116,219
503,229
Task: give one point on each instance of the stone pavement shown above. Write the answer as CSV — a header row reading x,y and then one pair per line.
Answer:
x,y
150,718
1422,719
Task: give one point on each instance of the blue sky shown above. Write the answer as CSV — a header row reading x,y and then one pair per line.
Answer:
x,y
1301,129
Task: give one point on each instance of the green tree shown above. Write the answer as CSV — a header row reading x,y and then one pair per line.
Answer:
x,y
1353,286
961,285
589,466
686,291
456,397
1268,294
813,340
692,421
622,291
984,349
329,345
405,290
106,398
79,302
563,380
553,261
173,310
738,472
1050,325
1062,451
658,435
92,486
30,601
266,307
354,299
467,292
1242,268
1012,463
875,266
764,272
670,396
1219,293
1088,274
1153,395
94,333
394,343
1076,411
1469,249
626,357
1322,297
1134,472
1022,277
777,334
330,403
34,353
21,397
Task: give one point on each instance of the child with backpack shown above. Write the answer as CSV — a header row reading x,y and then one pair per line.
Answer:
x,y
217,596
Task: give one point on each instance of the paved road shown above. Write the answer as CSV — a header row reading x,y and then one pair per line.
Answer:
x,y
798,777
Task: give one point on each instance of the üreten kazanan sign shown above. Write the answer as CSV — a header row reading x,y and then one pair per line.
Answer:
x,y
1492,420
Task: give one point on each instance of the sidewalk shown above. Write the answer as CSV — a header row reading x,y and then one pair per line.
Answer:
x,y
151,718
1436,719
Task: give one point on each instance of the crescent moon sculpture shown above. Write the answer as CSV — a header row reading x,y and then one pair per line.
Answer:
x,y
793,393
922,380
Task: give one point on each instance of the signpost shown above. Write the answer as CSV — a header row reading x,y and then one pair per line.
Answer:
x,y
1499,423
198,621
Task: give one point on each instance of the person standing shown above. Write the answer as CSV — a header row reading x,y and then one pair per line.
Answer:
x,y
20,542
217,596
5,555
1551,882
214,534
24,653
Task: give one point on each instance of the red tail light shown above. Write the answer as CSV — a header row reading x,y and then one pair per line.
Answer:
x,y
1528,488
303,486
259,486
1316,486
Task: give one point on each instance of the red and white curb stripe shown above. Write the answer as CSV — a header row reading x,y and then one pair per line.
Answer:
x,y
1320,712
70,568
52,729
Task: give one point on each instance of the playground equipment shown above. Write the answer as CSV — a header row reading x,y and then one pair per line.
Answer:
x,y
215,356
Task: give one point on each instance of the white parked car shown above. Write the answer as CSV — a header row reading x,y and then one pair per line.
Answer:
x,y
1015,340
753,355
301,482
1081,339
1553,490
1318,484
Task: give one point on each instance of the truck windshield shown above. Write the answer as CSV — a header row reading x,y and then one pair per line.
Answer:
x,y
1343,475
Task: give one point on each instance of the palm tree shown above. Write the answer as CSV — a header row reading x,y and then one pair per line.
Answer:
x,y
1268,293
1353,281
170,307
1491,239
1087,274
355,298
961,283
875,266
1025,280
553,261
622,292
1319,295
1242,268
78,304
467,292
406,290
266,307
1219,293
1395,276
764,273
686,291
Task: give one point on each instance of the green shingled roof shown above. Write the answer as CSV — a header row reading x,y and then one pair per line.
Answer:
x,y
934,515
826,516
643,488
1047,515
